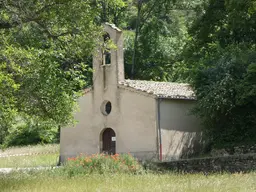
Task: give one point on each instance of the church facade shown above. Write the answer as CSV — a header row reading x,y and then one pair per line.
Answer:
x,y
151,120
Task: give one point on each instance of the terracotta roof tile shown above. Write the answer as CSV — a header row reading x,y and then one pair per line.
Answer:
x,y
162,89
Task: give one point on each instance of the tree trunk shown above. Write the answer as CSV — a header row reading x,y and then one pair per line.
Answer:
x,y
136,38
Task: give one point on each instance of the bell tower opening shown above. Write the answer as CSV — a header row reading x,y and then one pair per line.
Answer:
x,y
106,60
108,64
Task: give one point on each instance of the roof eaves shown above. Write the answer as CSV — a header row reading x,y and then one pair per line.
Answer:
x,y
176,97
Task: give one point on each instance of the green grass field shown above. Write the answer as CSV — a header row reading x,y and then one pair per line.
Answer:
x,y
57,180
47,182
29,161
48,159
49,148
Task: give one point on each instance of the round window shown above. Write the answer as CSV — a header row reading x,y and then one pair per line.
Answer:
x,y
106,107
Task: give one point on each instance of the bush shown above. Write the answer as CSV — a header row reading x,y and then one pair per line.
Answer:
x,y
226,92
29,132
102,163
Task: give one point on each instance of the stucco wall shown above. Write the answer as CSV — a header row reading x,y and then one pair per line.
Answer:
x,y
138,132
80,138
180,131
133,118
85,136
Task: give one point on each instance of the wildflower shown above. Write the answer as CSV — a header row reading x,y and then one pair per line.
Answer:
x,y
87,160
71,159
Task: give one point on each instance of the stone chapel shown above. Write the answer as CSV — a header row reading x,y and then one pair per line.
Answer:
x,y
151,120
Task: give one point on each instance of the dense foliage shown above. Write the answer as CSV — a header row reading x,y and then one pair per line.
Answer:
x,y
46,48
221,60
226,93
160,34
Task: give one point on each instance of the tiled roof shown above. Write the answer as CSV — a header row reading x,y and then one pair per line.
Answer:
x,y
162,89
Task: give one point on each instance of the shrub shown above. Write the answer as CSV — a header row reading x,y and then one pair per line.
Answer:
x,y
29,132
226,92
102,163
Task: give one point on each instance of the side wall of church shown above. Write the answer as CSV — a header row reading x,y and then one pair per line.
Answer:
x,y
137,130
180,131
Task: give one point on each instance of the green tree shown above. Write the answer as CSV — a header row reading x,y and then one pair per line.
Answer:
x,y
222,22
45,47
8,88
159,36
220,61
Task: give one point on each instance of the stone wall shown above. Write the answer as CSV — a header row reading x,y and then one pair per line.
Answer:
x,y
232,163
237,150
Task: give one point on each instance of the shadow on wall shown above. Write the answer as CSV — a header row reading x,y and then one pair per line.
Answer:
x,y
183,145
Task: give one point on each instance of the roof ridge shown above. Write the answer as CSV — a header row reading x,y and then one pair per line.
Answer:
x,y
130,80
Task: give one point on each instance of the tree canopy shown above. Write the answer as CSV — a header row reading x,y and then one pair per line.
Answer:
x,y
46,49
220,59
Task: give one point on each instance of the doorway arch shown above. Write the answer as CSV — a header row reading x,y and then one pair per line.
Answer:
x,y
108,138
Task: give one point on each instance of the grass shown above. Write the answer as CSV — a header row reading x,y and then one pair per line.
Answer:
x,y
49,148
52,181
29,161
59,180
50,158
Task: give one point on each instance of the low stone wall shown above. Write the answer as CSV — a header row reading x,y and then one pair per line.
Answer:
x,y
236,150
232,163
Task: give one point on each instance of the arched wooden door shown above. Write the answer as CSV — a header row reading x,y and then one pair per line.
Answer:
x,y
109,141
